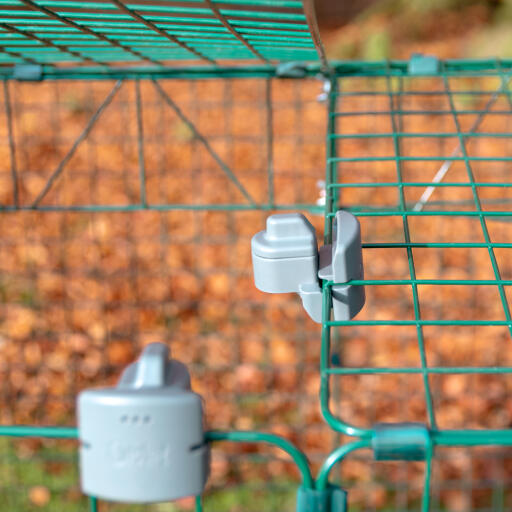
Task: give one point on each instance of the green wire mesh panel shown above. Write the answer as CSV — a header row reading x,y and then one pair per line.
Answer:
x,y
155,32
424,162
143,234
128,208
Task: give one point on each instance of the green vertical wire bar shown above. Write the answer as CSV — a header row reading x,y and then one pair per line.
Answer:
x,y
12,144
505,85
334,193
478,206
330,174
412,270
198,504
427,481
140,145
270,141
334,422
93,504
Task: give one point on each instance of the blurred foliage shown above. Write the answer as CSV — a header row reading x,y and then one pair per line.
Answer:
x,y
446,28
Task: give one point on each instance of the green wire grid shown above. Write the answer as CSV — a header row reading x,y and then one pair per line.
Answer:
x,y
410,151
107,33
188,216
389,135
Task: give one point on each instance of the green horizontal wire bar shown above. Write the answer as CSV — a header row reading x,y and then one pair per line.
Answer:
x,y
440,437
263,15
421,184
404,282
435,245
248,71
33,431
455,92
450,158
418,112
494,370
436,135
472,437
451,323
162,207
430,213
268,24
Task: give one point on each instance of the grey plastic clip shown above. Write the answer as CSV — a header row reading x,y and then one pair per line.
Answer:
x,y
143,441
285,259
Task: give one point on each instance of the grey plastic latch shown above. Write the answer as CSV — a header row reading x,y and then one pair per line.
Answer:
x,y
286,259
143,441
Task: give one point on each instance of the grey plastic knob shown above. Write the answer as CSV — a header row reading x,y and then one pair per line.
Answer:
x,y
143,441
286,259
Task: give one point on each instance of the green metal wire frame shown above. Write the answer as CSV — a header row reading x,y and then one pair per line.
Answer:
x,y
297,456
468,94
106,33
348,181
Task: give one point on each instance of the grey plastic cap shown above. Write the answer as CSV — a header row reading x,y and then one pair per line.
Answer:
x,y
143,441
288,235
285,255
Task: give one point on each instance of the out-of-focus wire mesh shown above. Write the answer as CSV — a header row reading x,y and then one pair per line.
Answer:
x,y
83,291
120,250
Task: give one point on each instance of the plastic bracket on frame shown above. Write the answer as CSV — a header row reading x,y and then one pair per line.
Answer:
x,y
332,499
27,72
420,64
401,441
286,259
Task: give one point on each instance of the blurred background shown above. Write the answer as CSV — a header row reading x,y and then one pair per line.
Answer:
x,y
82,292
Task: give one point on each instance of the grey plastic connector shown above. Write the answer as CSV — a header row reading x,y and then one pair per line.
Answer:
x,y
285,259
342,261
143,441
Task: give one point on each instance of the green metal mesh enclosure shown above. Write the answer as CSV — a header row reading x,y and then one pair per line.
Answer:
x,y
131,186
423,162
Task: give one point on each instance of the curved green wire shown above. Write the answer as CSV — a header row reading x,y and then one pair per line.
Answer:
x,y
263,437
334,422
336,456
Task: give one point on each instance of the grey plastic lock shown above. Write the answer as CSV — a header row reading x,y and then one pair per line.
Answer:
x,y
143,441
285,259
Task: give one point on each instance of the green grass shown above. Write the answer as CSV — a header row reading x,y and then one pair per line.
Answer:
x,y
24,465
